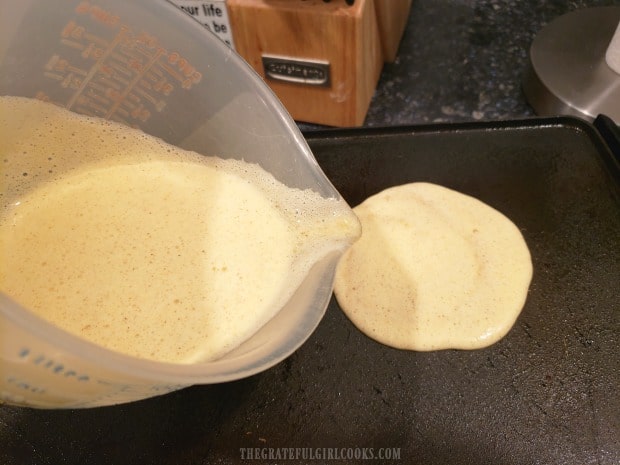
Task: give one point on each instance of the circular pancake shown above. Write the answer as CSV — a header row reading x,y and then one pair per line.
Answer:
x,y
434,269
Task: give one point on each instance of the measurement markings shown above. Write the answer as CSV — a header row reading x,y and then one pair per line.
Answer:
x,y
95,68
57,77
119,69
172,72
135,80
96,39
72,44
158,104
75,70
98,98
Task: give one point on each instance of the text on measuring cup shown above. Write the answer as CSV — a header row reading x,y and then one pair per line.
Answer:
x,y
125,77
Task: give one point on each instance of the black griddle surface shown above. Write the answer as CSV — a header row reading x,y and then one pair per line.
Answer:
x,y
545,394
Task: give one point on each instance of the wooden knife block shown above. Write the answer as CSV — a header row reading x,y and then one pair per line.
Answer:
x,y
322,59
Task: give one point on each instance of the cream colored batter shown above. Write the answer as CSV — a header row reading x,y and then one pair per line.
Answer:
x,y
434,269
144,248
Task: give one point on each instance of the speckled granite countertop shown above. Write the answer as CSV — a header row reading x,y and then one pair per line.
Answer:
x,y
463,60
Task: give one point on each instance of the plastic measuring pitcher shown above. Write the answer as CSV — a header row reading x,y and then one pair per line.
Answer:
x,y
149,65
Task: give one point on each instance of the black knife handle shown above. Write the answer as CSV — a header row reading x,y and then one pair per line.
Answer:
x,y
610,133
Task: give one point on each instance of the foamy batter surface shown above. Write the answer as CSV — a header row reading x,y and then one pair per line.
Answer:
x,y
144,248
434,269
